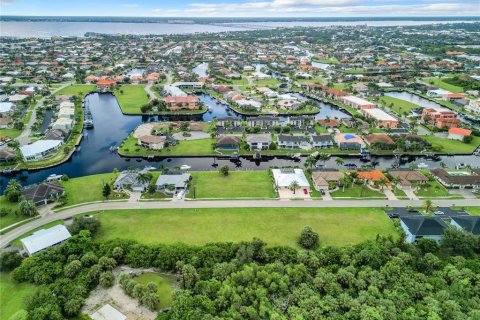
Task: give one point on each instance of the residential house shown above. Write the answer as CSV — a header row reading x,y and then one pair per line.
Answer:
x,y
259,141
323,179
228,143
455,180
409,178
330,123
382,119
7,155
298,121
441,118
293,142
371,176
422,227
322,141
43,193
458,133
129,180
189,102
468,223
171,183
45,238
39,149
263,122
6,108
358,103
228,122
5,122
285,177
152,142
349,141
105,85
379,140
63,124
56,134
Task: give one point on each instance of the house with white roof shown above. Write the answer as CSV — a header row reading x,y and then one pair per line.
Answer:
x,y
6,108
285,177
45,238
39,149
63,123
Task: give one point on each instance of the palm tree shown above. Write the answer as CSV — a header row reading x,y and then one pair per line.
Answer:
x,y
345,180
339,162
382,182
294,186
310,162
354,177
396,180
324,158
428,205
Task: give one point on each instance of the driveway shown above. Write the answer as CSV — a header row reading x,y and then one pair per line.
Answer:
x,y
287,194
195,135
410,194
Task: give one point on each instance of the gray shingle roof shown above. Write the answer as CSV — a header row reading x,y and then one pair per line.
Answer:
x,y
424,226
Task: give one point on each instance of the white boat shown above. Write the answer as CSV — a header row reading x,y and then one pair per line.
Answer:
x,y
185,167
53,177
422,165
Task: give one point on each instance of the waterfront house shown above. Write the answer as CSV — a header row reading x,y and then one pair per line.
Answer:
x,y
5,122
322,141
152,142
422,227
228,122
129,180
330,123
458,133
293,142
263,122
409,178
170,183
259,141
468,223
227,143
39,149
285,177
349,141
43,193
382,119
189,102
298,121
459,180
7,155
323,179
379,141
105,85
56,134
371,176
441,118
358,103
63,124
45,238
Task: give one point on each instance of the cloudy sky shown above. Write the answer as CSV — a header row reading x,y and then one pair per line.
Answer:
x,y
241,8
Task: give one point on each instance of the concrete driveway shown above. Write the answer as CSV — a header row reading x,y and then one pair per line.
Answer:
x,y
287,194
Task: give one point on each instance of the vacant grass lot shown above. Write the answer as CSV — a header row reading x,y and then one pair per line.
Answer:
x,y
433,189
356,192
399,106
10,218
132,98
77,90
452,146
182,148
238,184
12,295
438,82
276,226
164,283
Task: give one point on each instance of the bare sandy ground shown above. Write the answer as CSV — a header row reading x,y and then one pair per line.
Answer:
x,y
118,299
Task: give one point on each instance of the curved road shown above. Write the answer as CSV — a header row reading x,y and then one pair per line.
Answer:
x,y
68,213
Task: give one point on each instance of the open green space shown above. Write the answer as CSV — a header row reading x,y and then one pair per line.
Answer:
x,y
132,98
164,283
77,89
356,192
276,226
432,189
11,217
238,184
327,61
12,295
129,147
452,146
438,82
355,71
399,106
473,210
269,82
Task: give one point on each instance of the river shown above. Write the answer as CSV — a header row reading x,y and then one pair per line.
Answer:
x,y
112,127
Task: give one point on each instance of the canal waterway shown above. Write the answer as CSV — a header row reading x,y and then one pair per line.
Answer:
x,y
112,127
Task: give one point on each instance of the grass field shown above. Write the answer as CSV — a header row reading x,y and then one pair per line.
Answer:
x,y
432,190
184,147
133,97
276,226
269,82
164,283
327,61
12,295
77,89
438,82
356,191
452,146
11,218
473,210
87,188
399,106
255,184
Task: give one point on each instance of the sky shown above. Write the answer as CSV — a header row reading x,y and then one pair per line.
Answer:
x,y
241,8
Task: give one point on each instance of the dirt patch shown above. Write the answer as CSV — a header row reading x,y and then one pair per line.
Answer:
x,y
118,299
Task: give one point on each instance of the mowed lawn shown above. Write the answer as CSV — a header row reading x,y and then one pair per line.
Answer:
x,y
398,105
132,98
238,184
182,148
77,90
12,295
438,82
276,226
452,146
11,217
356,192
87,188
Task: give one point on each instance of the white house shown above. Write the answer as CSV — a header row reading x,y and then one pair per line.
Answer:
x,y
39,149
6,107
259,141
45,238
285,177
63,124
438,93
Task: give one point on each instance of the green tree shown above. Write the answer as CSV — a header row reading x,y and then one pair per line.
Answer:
x,y
294,186
428,205
12,191
224,170
308,238
107,190
188,277
9,260
27,208
107,279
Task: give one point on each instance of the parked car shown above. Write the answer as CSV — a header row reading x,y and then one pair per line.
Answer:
x,y
438,213
305,191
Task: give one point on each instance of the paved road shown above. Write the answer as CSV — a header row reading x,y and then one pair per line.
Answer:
x,y
27,131
17,232
151,95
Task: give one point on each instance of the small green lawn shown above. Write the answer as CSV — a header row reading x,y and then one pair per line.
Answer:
x,y
132,98
473,210
164,283
399,193
433,189
238,184
269,82
11,217
399,106
356,192
438,82
12,295
77,90
326,61
452,146
182,148
355,71
276,226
